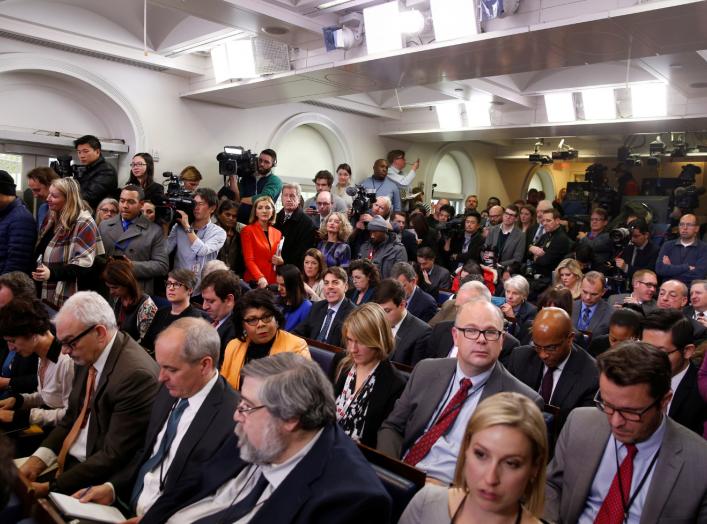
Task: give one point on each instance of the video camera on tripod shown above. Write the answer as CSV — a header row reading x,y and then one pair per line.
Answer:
x,y
63,167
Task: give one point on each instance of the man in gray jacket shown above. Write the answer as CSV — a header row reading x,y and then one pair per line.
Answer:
x,y
506,240
382,248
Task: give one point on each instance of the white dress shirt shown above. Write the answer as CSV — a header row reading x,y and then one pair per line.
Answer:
x,y
53,391
396,327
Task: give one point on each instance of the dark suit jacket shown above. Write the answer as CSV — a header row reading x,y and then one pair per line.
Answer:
x,y
440,278
312,325
645,259
524,318
422,305
699,331
120,412
688,408
578,382
673,494
332,484
211,427
410,340
599,323
513,249
425,391
299,233
599,345
226,332
387,389
455,258
440,343
557,246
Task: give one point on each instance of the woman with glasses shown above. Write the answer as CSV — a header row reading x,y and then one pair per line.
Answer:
x,y
134,310
180,284
293,297
142,174
26,328
335,231
68,245
108,208
260,241
568,274
367,385
500,473
259,324
365,277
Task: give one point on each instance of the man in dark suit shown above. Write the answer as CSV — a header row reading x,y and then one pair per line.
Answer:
x,y
407,238
326,317
296,227
550,248
98,436
565,376
326,478
642,297
220,290
410,332
598,239
464,245
590,312
419,303
671,332
427,425
596,452
641,253
191,418
506,240
434,276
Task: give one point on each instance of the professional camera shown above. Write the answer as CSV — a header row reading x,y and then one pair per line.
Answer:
x,y
450,227
362,200
686,197
236,160
176,198
63,167
620,237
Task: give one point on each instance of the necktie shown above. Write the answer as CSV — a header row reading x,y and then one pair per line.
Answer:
x,y
126,225
240,509
80,421
215,323
540,232
167,439
612,509
445,420
546,385
325,327
586,315
287,216
467,241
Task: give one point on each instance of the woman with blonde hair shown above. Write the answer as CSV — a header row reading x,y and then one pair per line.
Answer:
x,y
335,231
68,244
367,385
500,474
260,243
568,274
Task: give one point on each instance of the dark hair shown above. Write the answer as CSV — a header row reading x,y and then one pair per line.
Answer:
x,y
419,224
208,194
401,213
324,174
183,276
673,321
345,167
8,471
294,284
119,272
626,317
584,252
630,363
493,201
558,297
513,208
554,212
224,282
640,224
395,154
137,189
427,253
255,299
227,205
43,175
449,209
338,272
368,268
389,290
474,214
271,153
315,253
91,140
22,318
149,170
20,284
472,267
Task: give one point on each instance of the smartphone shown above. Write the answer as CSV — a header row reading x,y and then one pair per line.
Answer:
x,y
498,301
39,260
312,206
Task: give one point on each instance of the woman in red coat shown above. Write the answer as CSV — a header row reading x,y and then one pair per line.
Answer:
x,y
260,242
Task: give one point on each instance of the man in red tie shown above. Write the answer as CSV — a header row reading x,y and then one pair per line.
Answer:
x,y
626,461
427,424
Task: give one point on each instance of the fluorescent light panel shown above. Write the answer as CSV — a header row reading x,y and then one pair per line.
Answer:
x,y
411,21
382,23
599,104
453,19
559,107
449,116
327,5
649,100
478,110
233,59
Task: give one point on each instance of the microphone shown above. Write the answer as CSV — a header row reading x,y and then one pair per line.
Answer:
x,y
351,191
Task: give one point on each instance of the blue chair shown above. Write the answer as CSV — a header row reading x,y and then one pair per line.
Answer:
x,y
443,296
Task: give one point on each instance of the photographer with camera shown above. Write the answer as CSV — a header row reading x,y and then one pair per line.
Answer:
x,y
506,240
198,242
246,187
465,245
381,185
98,179
684,258
640,253
323,181
598,239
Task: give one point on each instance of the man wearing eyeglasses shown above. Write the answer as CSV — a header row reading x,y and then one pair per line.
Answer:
x,y
641,253
564,374
426,427
505,239
626,461
644,287
109,404
684,258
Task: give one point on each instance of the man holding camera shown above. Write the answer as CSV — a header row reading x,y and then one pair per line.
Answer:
x,y
250,186
323,181
99,180
641,253
505,239
383,186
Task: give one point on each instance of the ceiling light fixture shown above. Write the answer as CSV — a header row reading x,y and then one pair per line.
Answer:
x,y
560,107
333,3
453,19
382,28
449,116
478,110
411,22
234,59
599,104
649,100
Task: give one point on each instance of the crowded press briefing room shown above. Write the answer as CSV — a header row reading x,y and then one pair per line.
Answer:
x,y
353,261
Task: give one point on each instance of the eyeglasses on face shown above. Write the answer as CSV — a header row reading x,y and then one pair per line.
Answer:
x,y
631,415
173,284
652,285
491,335
71,343
245,411
253,321
550,348
138,164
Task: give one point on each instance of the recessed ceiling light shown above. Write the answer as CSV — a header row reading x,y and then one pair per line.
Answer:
x,y
275,30
698,85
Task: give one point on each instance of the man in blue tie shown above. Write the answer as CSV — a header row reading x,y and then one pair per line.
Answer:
x,y
591,313
191,418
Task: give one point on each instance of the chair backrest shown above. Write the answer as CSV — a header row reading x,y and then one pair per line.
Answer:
x,y
323,354
443,296
403,369
400,480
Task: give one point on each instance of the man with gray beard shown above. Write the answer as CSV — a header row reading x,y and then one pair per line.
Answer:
x,y
290,462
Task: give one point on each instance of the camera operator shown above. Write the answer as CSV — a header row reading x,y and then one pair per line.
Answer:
x,y
506,239
549,250
641,253
684,258
598,239
383,186
99,180
380,208
464,245
250,186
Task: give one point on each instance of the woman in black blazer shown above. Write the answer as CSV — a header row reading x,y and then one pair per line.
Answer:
x,y
366,385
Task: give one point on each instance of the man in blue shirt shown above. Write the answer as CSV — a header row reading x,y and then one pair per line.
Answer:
x,y
684,258
379,183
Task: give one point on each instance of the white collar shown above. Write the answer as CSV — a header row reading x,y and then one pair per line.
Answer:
x,y
277,473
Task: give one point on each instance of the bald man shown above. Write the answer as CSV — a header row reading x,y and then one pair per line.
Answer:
x,y
564,375
684,258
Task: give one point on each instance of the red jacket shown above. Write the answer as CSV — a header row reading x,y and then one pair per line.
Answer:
x,y
258,251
